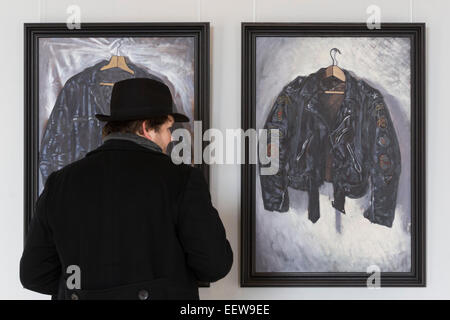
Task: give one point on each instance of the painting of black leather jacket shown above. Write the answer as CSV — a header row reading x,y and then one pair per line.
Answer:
x,y
72,129
362,148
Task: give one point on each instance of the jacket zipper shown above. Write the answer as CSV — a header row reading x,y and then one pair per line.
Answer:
x,y
282,201
304,146
356,164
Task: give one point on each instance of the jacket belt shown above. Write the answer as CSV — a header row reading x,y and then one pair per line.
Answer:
x,y
339,199
313,201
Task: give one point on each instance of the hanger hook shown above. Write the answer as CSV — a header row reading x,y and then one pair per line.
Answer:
x,y
334,50
117,51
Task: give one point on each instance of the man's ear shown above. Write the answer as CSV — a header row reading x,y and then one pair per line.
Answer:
x,y
149,134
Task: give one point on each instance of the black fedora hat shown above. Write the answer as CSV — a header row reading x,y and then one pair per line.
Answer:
x,y
140,98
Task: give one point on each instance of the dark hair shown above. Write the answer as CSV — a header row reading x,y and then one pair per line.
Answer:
x,y
134,126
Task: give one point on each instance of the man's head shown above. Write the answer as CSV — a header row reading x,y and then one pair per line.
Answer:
x,y
140,98
157,129
144,107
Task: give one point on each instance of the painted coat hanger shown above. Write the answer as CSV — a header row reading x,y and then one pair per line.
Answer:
x,y
334,71
116,61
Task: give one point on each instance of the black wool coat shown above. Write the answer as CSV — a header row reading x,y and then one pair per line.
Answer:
x,y
137,226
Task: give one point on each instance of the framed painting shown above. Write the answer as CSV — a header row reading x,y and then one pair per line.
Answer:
x,y
337,196
69,75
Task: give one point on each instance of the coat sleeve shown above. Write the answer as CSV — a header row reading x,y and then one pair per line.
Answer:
x,y
384,163
201,232
274,186
57,140
40,267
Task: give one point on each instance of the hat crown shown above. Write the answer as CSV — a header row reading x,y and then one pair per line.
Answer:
x,y
140,93
139,99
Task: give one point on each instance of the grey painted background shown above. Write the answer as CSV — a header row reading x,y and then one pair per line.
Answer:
x,y
289,242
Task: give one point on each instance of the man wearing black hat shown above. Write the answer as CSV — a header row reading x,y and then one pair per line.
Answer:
x,y
125,222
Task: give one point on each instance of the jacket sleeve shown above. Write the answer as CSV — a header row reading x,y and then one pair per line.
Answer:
x,y
57,139
274,186
40,267
201,232
384,163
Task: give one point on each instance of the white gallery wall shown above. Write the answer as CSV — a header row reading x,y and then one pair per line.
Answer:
x,y
225,17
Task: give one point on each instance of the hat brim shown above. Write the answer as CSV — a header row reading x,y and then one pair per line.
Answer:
x,y
178,117
103,117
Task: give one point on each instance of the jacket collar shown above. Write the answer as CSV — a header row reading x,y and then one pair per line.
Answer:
x,y
312,88
120,144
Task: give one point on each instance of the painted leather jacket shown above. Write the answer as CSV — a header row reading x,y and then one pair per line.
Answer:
x,y
364,154
72,129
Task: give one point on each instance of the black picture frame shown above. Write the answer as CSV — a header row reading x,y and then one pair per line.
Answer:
x,y
417,277
34,31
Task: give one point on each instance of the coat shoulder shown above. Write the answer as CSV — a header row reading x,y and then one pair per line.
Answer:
x,y
367,90
137,157
294,86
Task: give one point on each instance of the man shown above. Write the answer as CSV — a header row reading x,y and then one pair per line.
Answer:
x,y
125,220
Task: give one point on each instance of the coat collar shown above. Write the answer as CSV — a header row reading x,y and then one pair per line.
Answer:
x,y
119,144
134,138
313,87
